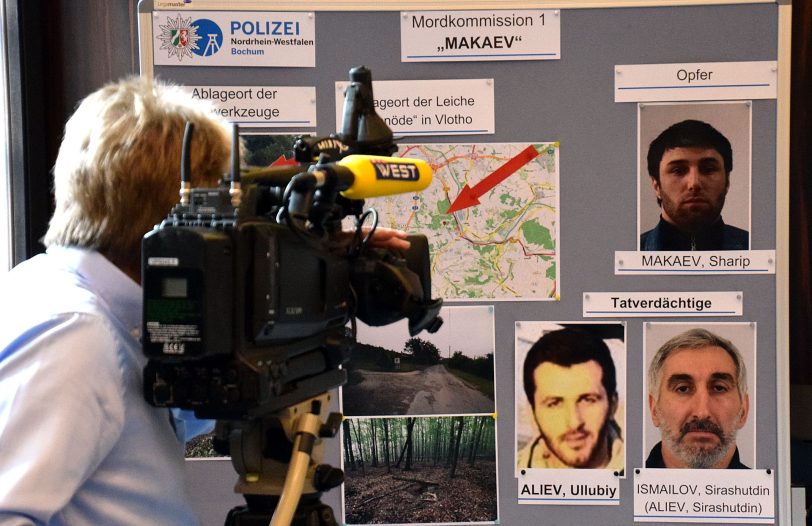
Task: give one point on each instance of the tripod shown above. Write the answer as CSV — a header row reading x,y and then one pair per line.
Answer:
x,y
276,458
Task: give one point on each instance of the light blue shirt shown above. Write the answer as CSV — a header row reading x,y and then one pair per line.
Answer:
x,y
78,443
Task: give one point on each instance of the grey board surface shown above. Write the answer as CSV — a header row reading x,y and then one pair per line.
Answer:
x,y
571,100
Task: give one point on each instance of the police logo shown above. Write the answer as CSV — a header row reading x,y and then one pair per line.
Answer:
x,y
211,35
179,37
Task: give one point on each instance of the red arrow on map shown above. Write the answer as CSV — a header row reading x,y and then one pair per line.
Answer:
x,y
470,196
281,161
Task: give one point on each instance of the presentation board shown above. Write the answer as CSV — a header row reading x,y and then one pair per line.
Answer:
x,y
543,217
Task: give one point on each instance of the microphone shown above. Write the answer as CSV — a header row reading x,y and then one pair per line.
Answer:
x,y
365,176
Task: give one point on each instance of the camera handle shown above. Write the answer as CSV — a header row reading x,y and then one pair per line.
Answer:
x,y
276,458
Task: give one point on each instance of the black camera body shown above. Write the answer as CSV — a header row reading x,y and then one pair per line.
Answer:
x,y
250,301
248,315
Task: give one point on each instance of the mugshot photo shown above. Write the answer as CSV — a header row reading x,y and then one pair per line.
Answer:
x,y
694,176
700,393
570,395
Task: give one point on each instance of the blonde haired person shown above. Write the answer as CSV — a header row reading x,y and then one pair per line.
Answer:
x,y
117,172
78,443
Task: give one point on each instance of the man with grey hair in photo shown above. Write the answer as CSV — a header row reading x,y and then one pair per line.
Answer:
x,y
697,395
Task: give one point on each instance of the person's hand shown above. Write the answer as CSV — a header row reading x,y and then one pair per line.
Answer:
x,y
388,238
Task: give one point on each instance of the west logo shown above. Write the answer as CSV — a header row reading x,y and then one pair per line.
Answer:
x,y
396,171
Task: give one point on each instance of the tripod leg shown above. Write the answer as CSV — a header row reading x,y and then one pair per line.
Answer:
x,y
307,431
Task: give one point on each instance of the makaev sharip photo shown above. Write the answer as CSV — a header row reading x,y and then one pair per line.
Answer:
x,y
690,167
570,383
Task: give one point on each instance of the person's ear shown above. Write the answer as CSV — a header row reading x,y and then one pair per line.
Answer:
x,y
745,410
613,402
656,186
652,407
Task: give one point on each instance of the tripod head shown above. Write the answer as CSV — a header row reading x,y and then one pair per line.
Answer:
x,y
277,458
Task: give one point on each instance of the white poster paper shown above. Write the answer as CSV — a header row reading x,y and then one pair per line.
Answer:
x,y
707,495
696,81
652,304
584,487
239,38
431,107
262,106
446,36
695,262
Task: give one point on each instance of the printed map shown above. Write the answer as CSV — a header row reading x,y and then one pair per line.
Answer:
x,y
491,218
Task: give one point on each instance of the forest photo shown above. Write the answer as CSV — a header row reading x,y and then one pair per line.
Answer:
x,y
420,470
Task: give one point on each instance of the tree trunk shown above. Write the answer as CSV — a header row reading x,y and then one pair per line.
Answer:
x,y
348,445
438,430
360,447
477,440
450,448
374,444
456,451
386,444
409,445
421,435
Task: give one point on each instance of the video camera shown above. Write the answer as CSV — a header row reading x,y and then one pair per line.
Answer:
x,y
249,287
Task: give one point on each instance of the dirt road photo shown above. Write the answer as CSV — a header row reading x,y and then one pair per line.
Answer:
x,y
432,391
